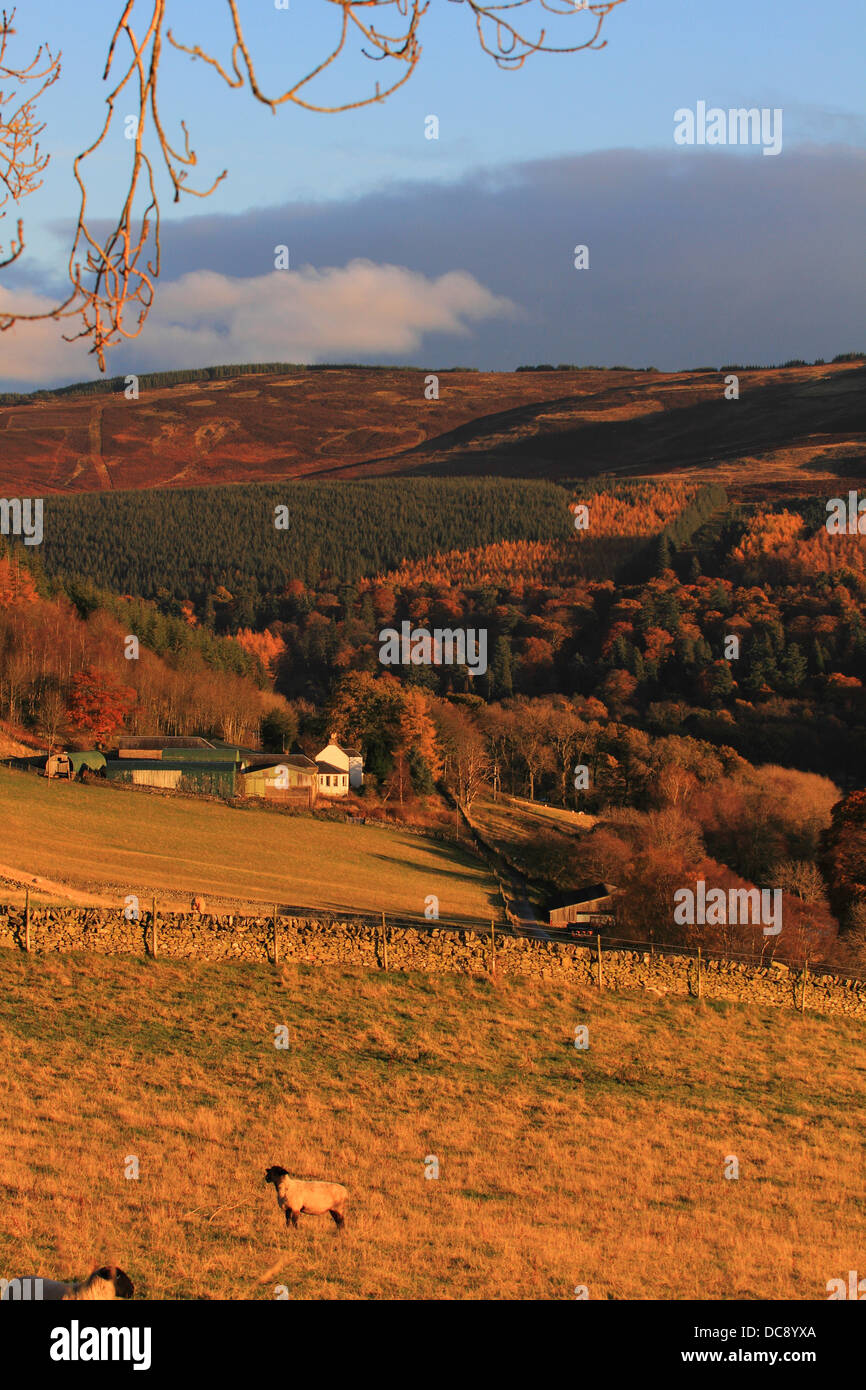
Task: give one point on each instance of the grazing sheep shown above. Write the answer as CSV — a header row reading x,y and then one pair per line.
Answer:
x,y
297,1198
109,1282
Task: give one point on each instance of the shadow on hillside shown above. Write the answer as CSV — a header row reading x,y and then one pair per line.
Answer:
x,y
449,871
766,417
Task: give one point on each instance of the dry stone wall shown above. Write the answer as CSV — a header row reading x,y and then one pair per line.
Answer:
x,y
314,941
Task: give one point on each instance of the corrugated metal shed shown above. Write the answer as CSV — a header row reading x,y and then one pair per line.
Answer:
x,y
211,779
70,764
166,777
224,756
168,748
90,758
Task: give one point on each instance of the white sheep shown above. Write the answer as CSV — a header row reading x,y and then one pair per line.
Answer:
x,y
298,1198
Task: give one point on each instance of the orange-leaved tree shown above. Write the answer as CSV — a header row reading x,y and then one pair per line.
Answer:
x,y
99,703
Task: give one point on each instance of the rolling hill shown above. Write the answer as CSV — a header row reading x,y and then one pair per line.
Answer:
x,y
789,426
106,842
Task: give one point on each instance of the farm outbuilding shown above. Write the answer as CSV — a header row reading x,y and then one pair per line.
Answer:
x,y
186,742
591,908
290,777
225,754
211,767
70,765
181,750
171,774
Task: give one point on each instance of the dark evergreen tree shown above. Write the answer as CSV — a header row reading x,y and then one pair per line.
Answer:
x,y
500,669
420,774
794,667
279,729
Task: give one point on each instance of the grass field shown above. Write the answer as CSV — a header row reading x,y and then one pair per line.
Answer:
x,y
512,822
557,1167
119,842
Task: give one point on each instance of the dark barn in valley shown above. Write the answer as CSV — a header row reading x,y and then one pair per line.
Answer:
x,y
585,911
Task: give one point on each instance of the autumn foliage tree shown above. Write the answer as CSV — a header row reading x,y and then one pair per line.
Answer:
x,y
17,589
844,855
99,703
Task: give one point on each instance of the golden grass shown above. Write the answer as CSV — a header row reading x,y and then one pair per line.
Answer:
x,y
514,820
558,1167
516,827
101,838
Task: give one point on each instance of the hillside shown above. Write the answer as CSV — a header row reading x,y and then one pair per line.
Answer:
x,y
343,422
511,822
557,1167
102,841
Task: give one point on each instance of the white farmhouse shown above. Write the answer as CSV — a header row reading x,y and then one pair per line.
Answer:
x,y
339,769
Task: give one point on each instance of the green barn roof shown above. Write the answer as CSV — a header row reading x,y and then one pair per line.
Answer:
x,y
89,758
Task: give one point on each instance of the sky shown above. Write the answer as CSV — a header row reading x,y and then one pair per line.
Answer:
x,y
461,250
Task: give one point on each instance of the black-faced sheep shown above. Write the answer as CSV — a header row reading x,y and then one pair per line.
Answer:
x,y
109,1282
298,1198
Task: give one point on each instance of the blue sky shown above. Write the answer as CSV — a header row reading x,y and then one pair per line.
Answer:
x,y
570,148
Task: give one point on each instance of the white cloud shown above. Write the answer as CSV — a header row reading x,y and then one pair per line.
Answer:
x,y
306,315
36,352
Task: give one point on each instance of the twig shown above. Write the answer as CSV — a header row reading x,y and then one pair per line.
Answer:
x,y
227,1206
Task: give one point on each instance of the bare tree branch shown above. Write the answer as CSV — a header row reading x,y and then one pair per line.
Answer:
x,y
509,47
113,281
21,160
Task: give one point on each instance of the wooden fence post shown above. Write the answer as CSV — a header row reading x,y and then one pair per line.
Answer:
x,y
384,943
276,938
492,943
700,983
803,993
600,976
27,920
153,933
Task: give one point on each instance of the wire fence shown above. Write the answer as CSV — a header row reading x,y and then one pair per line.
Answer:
x,y
566,937
720,953
557,935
